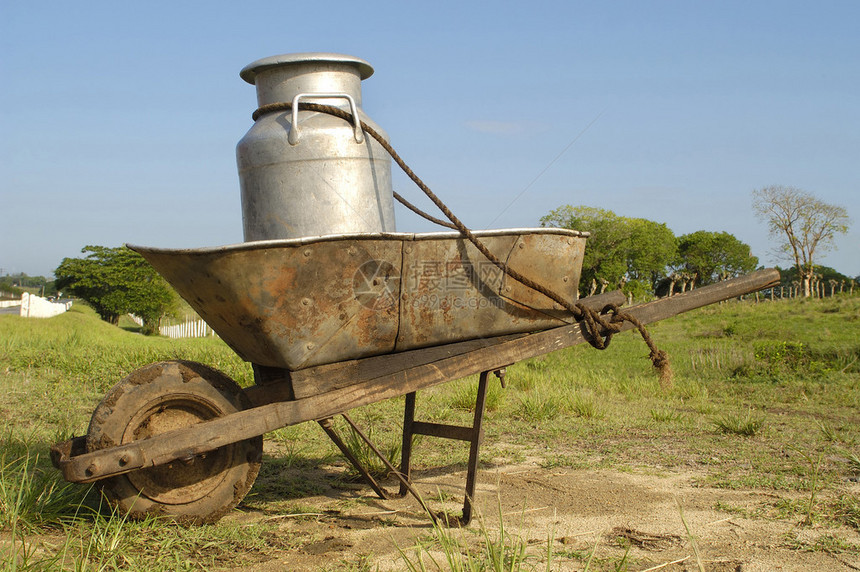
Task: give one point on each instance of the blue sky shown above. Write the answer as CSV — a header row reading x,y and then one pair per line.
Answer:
x,y
118,121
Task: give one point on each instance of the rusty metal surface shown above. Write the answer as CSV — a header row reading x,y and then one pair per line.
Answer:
x,y
451,292
298,303
546,259
178,482
289,304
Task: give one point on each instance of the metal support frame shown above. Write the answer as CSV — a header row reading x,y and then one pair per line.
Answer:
x,y
328,427
474,435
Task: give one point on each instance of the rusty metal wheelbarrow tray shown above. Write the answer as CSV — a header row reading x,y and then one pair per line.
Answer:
x,y
299,303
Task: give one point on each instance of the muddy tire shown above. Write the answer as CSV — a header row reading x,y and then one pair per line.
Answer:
x,y
165,396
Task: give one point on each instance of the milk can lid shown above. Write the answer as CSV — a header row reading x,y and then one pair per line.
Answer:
x,y
250,71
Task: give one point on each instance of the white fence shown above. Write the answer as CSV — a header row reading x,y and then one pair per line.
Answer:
x,y
191,329
9,303
188,329
33,306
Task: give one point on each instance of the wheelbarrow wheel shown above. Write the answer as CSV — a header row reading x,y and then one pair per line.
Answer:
x,y
162,397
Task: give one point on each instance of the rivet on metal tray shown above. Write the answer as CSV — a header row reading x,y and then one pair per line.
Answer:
x,y
565,278
124,460
90,471
408,250
307,252
310,346
350,250
306,301
522,245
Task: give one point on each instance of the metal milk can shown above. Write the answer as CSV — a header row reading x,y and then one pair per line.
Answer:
x,y
303,173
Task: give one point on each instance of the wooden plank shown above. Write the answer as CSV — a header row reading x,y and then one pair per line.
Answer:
x,y
258,420
443,430
666,307
323,379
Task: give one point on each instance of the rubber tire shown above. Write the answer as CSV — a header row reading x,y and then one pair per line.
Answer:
x,y
181,393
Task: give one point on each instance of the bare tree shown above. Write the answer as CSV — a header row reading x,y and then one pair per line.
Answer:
x,y
803,225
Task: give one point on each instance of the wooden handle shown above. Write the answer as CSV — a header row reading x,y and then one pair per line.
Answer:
x,y
672,306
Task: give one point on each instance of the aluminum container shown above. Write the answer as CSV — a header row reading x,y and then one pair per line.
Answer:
x,y
303,173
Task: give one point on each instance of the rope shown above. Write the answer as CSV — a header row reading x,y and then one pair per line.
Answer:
x,y
593,321
421,213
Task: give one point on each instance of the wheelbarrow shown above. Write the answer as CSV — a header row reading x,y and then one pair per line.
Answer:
x,y
331,324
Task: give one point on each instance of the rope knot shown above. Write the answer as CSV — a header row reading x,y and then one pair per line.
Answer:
x,y
660,359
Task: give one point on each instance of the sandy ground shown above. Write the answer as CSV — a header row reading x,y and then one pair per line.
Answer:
x,y
580,509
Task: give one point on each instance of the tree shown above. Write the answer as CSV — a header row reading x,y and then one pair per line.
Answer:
x,y
620,249
712,255
21,282
653,246
9,286
803,226
823,274
117,281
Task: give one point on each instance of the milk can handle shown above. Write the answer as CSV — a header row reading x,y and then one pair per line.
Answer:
x,y
293,136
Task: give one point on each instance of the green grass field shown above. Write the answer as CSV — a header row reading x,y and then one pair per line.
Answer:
x,y
764,396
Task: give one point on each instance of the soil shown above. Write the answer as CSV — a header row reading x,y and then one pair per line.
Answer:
x,y
609,512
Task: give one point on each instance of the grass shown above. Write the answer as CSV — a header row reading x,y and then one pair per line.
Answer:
x,y
746,425
664,414
483,550
33,495
79,349
366,456
765,397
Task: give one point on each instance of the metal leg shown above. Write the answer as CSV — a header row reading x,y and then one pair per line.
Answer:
x,y
406,449
387,463
477,437
326,425
474,435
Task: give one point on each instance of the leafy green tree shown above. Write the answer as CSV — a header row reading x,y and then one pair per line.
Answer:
x,y
9,287
653,246
712,255
620,249
19,283
117,281
789,276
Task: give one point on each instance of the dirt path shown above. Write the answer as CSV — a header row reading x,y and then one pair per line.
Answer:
x,y
581,509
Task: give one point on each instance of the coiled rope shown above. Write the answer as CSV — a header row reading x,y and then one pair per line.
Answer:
x,y
599,327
